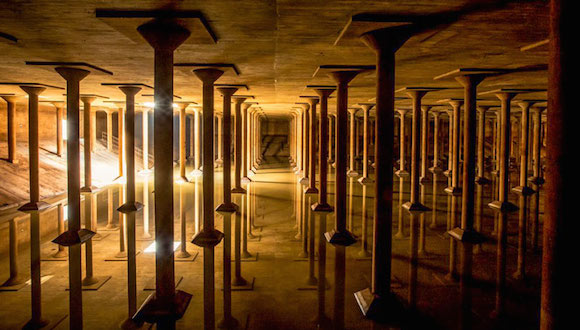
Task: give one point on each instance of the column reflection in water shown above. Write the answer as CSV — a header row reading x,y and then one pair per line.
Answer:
x,y
364,252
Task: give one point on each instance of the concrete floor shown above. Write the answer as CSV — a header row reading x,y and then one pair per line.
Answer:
x,y
276,301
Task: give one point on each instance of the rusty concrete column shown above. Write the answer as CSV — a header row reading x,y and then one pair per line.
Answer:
x,y
523,191
34,207
334,140
61,252
93,129
245,142
340,235
423,179
164,36
197,171
331,125
352,142
59,118
305,143
561,128
11,126
182,159
366,107
219,160
322,205
536,178
238,147
402,173
502,205
209,237
131,206
311,189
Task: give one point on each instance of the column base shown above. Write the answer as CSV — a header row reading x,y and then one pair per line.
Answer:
x,y
373,306
70,238
35,324
447,173
228,323
182,179
89,189
538,181
342,238
466,236
482,181
227,208
402,173
436,170
239,190
352,173
425,180
523,191
364,255
304,180
183,258
503,207
94,283
416,208
453,191
13,284
241,284
321,207
154,310
246,180
34,206
310,190
209,238
130,207
195,173
365,180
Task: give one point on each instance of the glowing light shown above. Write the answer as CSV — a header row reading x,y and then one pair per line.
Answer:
x,y
65,212
64,129
42,279
151,248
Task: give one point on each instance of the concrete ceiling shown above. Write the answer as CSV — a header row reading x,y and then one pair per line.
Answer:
x,y
277,45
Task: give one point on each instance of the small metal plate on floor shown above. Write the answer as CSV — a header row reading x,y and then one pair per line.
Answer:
x,y
101,280
248,287
253,258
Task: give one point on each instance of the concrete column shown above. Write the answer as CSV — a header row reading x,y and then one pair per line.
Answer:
x,y
34,207
435,169
15,281
480,179
536,178
73,76
366,132
11,126
182,159
145,141
305,143
93,130
402,173
197,146
109,130
59,118
209,237
219,160
61,253
238,147
131,206
340,235
503,206
454,190
88,186
164,36
352,142
245,142
227,206
330,138
322,204
311,189
121,141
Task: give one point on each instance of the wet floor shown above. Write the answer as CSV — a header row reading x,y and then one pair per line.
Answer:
x,y
284,255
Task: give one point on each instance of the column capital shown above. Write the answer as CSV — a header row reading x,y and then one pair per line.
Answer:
x,y
10,98
32,90
208,75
